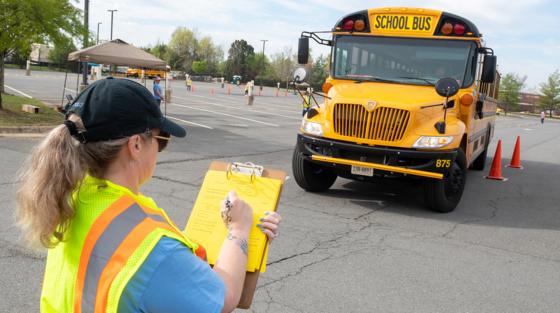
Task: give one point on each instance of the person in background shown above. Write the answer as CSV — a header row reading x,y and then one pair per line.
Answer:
x,y
158,91
189,84
110,247
246,89
238,82
543,116
305,103
498,112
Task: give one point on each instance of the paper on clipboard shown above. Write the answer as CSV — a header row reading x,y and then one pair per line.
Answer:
x,y
205,225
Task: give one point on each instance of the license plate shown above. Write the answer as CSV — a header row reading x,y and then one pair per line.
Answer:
x,y
364,171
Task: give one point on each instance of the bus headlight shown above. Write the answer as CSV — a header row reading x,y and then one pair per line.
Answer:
x,y
312,128
426,142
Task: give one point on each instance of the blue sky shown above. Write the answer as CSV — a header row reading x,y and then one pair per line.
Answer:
x,y
524,34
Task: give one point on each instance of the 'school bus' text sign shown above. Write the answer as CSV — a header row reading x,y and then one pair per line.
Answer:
x,y
394,22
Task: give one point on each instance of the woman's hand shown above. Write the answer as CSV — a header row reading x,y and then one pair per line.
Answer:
x,y
236,213
269,225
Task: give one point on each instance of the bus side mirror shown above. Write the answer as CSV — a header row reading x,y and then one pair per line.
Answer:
x,y
303,51
489,69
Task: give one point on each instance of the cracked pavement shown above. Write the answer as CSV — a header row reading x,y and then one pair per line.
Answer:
x,y
358,247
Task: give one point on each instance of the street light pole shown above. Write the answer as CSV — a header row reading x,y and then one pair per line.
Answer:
x,y
98,32
262,69
110,67
86,39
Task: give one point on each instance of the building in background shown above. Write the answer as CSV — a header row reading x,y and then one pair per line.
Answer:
x,y
39,54
528,102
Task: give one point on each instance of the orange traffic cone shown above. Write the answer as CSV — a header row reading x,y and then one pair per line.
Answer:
x,y
276,93
259,91
516,159
171,78
212,91
496,170
286,94
111,73
192,88
228,90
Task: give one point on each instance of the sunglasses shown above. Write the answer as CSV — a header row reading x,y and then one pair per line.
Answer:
x,y
163,139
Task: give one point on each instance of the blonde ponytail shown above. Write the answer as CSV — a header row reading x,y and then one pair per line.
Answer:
x,y
51,174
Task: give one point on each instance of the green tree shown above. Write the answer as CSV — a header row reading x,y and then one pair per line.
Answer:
x,y
254,65
510,87
20,57
159,50
59,54
23,22
212,53
549,93
200,67
237,59
183,47
318,72
282,64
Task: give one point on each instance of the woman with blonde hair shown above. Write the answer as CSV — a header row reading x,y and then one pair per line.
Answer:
x,y
110,247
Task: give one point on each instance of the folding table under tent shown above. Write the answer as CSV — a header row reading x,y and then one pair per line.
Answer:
x,y
115,52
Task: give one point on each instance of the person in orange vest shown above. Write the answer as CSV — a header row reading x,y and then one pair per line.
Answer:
x,y
305,101
110,247
543,116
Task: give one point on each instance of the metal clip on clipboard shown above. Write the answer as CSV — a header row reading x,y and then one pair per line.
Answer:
x,y
245,168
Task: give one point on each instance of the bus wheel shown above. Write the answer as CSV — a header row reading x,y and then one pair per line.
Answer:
x,y
311,176
443,195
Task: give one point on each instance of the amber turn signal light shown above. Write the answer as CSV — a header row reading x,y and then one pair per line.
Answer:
x,y
326,87
359,25
466,99
447,28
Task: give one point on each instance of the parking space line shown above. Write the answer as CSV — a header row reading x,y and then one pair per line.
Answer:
x,y
229,106
174,118
234,106
239,117
28,96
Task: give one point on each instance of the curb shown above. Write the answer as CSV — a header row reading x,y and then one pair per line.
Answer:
x,y
31,130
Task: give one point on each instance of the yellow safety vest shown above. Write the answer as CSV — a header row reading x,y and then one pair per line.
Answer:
x,y
189,82
305,102
246,87
110,236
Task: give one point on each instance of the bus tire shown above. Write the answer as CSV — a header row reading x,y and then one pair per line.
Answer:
x,y
480,163
311,176
443,195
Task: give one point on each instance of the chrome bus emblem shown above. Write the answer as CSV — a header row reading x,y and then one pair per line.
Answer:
x,y
371,105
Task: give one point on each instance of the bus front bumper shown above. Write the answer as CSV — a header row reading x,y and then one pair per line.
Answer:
x,y
386,161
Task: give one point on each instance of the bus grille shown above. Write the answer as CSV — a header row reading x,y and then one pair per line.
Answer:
x,y
383,124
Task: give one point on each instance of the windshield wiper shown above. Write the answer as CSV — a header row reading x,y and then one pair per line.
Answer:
x,y
377,80
429,82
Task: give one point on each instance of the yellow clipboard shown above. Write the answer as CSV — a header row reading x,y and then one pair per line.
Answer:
x,y
252,171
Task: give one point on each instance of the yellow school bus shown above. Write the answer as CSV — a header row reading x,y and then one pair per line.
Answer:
x,y
152,73
411,95
134,72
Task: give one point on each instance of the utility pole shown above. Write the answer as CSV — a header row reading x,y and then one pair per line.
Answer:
x,y
262,69
98,32
86,37
110,67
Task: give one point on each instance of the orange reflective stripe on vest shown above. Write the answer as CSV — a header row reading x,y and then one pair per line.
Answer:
x,y
112,239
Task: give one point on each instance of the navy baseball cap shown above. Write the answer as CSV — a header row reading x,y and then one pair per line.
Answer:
x,y
116,108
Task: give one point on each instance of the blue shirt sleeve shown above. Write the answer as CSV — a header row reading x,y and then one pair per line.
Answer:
x,y
172,279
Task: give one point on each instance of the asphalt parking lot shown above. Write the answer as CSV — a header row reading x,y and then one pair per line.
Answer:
x,y
358,247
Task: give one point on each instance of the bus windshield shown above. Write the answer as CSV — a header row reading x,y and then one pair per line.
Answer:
x,y
403,60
